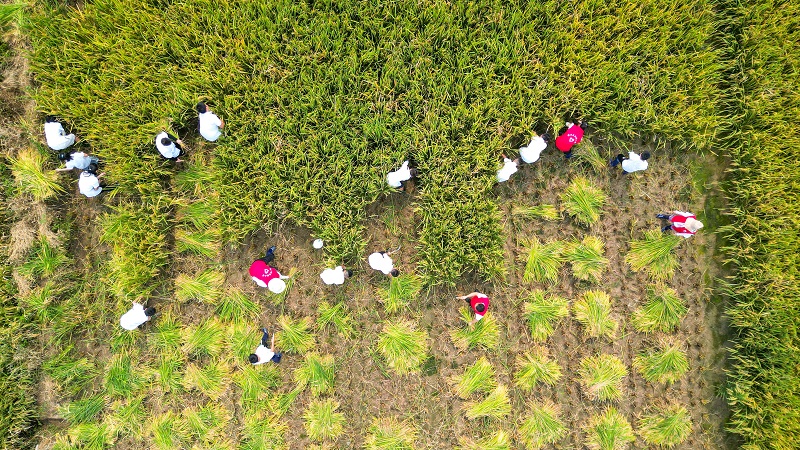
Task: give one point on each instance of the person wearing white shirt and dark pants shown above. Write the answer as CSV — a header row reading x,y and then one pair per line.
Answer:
x,y
54,133
136,316
531,152
633,163
209,125
77,160
89,183
381,261
169,146
337,275
263,353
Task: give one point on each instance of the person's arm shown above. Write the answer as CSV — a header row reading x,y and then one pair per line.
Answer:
x,y
272,348
63,169
684,235
172,138
464,297
221,122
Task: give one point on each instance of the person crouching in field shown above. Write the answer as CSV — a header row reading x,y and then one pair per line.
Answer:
x,y
89,182
169,146
209,124
136,316
54,134
633,163
267,276
479,303
337,275
263,353
509,168
396,178
531,152
76,160
382,262
684,224
568,136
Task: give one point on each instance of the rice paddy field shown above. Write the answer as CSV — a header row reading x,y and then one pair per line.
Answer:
x,y
603,332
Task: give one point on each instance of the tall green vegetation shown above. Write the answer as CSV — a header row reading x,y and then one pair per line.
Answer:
x,y
593,310
663,310
542,312
543,426
609,430
665,365
543,261
478,377
602,376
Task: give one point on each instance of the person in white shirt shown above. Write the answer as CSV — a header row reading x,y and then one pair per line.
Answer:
x,y
396,178
509,168
136,316
263,353
54,134
382,262
210,125
337,275
89,183
77,160
531,152
169,146
633,163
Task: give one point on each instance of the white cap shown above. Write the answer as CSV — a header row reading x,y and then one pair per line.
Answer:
x,y
317,244
276,285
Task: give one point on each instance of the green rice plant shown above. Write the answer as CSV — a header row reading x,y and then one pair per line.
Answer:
x,y
653,254
120,379
542,426
666,427
534,367
583,201
663,310
206,287
587,260
256,382
204,422
235,306
495,406
542,312
30,176
295,335
478,377
242,339
338,316
390,434
278,299
89,436
543,261
169,372
41,303
84,410
322,422
402,290
259,434
204,340
284,401
167,335
317,373
403,346
544,212
199,215
193,179
587,153
602,377
484,333
666,365
71,375
168,431
209,379
202,242
125,418
608,431
497,441
45,260
593,310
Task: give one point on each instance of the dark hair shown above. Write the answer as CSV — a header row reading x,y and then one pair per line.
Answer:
x,y
584,124
64,156
349,273
394,272
49,119
546,137
645,155
165,141
413,172
150,312
253,358
480,307
202,108
92,169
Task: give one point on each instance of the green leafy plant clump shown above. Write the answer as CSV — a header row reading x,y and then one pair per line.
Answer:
x,y
316,372
666,365
587,260
542,312
593,310
496,405
403,346
609,430
484,333
390,434
478,377
322,422
653,254
666,426
543,261
402,289
543,426
602,377
583,201
536,367
663,310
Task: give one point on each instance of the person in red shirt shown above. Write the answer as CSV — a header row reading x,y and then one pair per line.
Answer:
x,y
568,136
267,276
684,224
479,303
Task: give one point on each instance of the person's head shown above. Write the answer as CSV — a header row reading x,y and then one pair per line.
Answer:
x,y
546,137
166,142
276,285
202,108
394,272
92,169
693,225
348,273
413,172
50,119
64,156
480,307
584,124
253,358
645,155
150,312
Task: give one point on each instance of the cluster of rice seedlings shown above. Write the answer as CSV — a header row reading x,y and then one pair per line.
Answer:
x,y
653,254
403,346
338,316
256,382
609,430
83,411
544,212
542,426
199,242
242,339
666,365
602,377
31,177
543,261
44,261
316,372
663,310
542,313
206,287
259,433
485,333
534,367
390,434
167,336
496,405
322,422
478,377
89,436
120,379
70,374
666,427
205,422
278,299
209,379
295,335
593,310
40,303
169,372
402,290
205,340
285,401
167,431
587,260
497,441
235,306
583,201
588,153
125,418
200,214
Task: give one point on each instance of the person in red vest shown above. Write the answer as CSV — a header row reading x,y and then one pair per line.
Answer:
x,y
479,303
568,136
267,276
684,224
